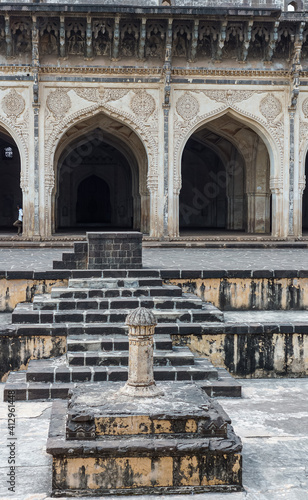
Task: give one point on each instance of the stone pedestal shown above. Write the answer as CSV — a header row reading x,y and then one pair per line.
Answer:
x,y
114,250
106,442
141,383
140,438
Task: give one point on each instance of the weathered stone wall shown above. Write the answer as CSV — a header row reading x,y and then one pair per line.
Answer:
x,y
16,351
249,290
24,285
265,352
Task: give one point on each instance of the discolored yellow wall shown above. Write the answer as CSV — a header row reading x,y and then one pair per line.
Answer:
x,y
249,293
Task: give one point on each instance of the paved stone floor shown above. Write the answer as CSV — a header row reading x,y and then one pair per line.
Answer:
x,y
40,259
271,418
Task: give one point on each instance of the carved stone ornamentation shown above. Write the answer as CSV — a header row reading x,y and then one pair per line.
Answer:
x,y
115,95
142,104
89,94
102,32
228,96
305,108
270,107
13,104
129,39
76,38
49,33
187,106
155,44
59,103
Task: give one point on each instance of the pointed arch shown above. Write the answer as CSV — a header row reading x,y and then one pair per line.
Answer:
x,y
10,188
257,125
145,150
254,122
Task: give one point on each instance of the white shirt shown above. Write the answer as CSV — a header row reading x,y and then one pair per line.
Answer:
x,y
20,214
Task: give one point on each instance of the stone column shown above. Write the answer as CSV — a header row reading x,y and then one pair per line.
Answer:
x,y
141,383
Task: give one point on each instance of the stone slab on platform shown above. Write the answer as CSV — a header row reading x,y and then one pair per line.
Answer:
x,y
182,410
178,443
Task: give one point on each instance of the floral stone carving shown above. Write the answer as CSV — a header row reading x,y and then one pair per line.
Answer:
x,y
142,104
305,108
89,94
270,107
187,106
13,104
59,103
228,96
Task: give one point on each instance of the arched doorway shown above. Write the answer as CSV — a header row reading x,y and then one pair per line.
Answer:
x,y
10,191
225,179
98,184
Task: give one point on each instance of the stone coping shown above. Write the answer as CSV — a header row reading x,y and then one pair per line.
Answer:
x,y
165,274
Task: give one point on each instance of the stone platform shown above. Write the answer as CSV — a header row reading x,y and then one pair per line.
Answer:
x,y
112,444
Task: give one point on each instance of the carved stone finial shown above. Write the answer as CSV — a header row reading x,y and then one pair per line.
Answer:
x,y
141,317
141,381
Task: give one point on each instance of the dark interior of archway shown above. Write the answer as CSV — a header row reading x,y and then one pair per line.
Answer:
x,y
10,191
93,201
203,202
305,199
94,187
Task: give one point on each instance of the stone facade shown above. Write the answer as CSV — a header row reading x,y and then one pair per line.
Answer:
x,y
158,119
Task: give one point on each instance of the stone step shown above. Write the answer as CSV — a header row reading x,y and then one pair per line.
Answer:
x,y
178,356
85,343
57,370
24,313
101,283
224,386
80,293
106,329
45,303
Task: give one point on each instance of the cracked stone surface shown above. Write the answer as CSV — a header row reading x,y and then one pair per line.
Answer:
x,y
271,418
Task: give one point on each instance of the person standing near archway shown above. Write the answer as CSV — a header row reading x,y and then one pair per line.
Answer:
x,y
18,222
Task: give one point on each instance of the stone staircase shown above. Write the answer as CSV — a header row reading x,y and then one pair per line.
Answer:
x,y
91,313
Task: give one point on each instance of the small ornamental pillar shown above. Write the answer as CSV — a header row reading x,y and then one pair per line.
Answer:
x,y
141,383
